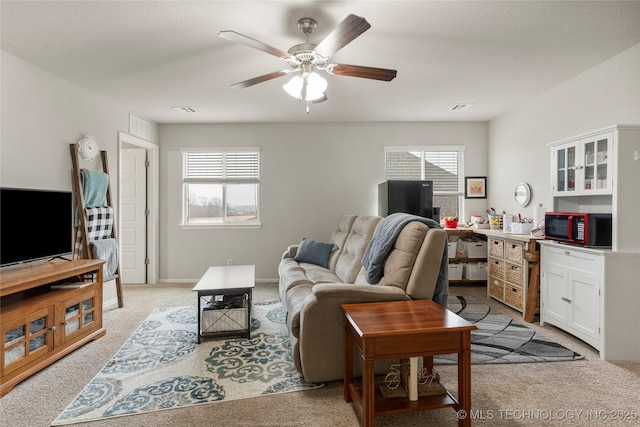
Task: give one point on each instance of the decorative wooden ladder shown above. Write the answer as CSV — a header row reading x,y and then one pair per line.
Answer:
x,y
77,188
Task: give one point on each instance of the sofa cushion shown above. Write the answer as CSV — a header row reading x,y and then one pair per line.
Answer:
x,y
350,261
361,278
287,264
290,277
314,252
399,264
339,238
321,275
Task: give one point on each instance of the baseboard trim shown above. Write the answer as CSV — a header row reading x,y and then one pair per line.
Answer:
x,y
196,280
110,304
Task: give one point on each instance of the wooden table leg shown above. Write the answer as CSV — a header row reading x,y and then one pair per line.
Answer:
x,y
533,294
348,362
427,362
199,318
368,393
464,382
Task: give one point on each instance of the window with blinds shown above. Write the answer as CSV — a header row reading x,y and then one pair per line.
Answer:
x,y
442,165
220,187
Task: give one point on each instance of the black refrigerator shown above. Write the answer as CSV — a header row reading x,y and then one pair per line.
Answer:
x,y
413,197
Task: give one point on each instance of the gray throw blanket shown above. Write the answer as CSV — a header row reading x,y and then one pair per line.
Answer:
x,y
106,249
382,242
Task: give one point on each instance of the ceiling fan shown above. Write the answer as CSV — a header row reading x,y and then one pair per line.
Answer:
x,y
306,59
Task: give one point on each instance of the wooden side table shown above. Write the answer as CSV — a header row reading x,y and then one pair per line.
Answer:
x,y
404,329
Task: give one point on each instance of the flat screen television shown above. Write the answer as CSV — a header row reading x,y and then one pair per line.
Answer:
x,y
34,224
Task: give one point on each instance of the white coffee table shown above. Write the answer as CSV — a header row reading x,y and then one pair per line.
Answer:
x,y
224,301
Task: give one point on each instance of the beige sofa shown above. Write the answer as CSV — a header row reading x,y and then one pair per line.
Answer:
x,y
416,268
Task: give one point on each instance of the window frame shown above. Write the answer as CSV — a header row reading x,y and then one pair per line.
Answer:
x,y
460,149
224,181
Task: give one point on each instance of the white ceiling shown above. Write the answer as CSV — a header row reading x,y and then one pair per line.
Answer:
x,y
149,56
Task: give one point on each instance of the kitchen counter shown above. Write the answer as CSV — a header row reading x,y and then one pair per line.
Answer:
x,y
494,233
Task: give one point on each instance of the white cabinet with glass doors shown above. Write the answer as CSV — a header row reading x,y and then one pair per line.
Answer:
x,y
583,166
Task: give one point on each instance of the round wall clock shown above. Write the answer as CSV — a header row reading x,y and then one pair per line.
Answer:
x,y
88,148
522,194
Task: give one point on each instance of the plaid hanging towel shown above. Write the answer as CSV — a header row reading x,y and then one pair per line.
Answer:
x,y
99,226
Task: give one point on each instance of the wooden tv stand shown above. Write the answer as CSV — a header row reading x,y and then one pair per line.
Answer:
x,y
39,325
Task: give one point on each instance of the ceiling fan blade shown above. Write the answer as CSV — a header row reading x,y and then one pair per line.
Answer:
x,y
346,31
260,79
363,72
256,44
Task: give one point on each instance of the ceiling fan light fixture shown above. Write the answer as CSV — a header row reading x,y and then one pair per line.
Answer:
x,y
315,86
306,59
294,86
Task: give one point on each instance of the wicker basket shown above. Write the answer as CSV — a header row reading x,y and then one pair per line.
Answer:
x,y
496,288
224,320
513,296
496,268
514,274
496,248
514,252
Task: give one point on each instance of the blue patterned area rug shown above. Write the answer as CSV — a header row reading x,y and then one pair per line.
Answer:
x,y
161,366
501,339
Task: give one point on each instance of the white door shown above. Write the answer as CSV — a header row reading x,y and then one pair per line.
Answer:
x,y
133,199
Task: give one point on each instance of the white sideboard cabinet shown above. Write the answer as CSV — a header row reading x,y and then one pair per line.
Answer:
x,y
594,293
570,285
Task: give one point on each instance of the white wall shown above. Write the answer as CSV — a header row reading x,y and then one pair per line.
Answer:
x,y
41,115
607,94
311,174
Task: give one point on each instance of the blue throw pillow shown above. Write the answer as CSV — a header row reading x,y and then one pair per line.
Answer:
x,y
314,252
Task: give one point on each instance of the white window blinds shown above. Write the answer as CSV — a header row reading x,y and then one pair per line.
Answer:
x,y
221,186
222,166
442,166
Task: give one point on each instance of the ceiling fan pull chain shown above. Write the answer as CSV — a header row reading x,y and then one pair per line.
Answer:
x,y
303,92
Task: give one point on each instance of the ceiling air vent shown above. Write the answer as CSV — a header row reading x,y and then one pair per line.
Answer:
x,y
462,107
139,127
184,109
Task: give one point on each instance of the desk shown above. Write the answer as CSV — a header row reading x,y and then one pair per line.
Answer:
x,y
218,284
513,276
404,329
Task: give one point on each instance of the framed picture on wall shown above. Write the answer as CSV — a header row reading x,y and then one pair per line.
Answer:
x,y
475,187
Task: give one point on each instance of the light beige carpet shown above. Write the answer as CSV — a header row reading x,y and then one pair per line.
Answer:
x,y
502,395
162,366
